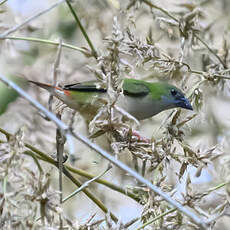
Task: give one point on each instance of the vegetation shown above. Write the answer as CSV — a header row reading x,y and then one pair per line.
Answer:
x,y
184,154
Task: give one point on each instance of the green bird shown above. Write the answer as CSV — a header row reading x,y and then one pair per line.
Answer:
x,y
141,99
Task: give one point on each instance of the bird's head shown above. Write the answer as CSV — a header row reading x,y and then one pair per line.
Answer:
x,y
169,96
173,97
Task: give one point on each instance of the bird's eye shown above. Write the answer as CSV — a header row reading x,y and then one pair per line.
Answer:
x,y
173,92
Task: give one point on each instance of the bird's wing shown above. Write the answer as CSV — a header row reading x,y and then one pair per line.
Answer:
x,y
135,88
131,87
88,86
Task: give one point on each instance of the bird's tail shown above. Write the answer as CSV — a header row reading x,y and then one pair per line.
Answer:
x,y
48,87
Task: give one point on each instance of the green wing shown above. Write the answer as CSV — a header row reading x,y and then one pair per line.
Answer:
x,y
135,88
131,87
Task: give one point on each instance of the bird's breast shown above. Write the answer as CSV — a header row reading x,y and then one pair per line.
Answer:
x,y
140,107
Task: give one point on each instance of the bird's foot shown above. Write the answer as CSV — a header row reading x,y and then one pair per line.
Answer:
x,y
139,137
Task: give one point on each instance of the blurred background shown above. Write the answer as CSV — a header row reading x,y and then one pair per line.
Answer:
x,y
143,43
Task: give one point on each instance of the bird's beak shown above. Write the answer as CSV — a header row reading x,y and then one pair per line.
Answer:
x,y
184,103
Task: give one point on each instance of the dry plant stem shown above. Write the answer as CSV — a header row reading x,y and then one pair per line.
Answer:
x,y
44,41
74,180
93,50
86,184
60,149
56,69
71,122
195,71
176,20
211,51
2,2
218,187
45,157
15,28
55,72
68,46
90,176
130,223
94,53
60,139
69,134
160,9
199,221
89,194
157,218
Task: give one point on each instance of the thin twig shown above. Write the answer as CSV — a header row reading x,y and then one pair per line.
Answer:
x,y
94,53
17,27
86,184
217,187
69,134
71,121
131,222
3,1
44,41
93,50
89,194
204,73
55,72
44,157
157,218
60,139
160,9
211,51
193,71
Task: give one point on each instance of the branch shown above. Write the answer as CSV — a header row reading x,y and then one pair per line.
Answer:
x,y
89,194
56,71
160,9
44,41
86,184
157,218
82,29
17,27
60,139
3,1
210,50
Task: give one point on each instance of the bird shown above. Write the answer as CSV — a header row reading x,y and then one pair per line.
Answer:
x,y
141,99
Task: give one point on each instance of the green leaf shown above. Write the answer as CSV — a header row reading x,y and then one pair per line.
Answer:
x,y
8,95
